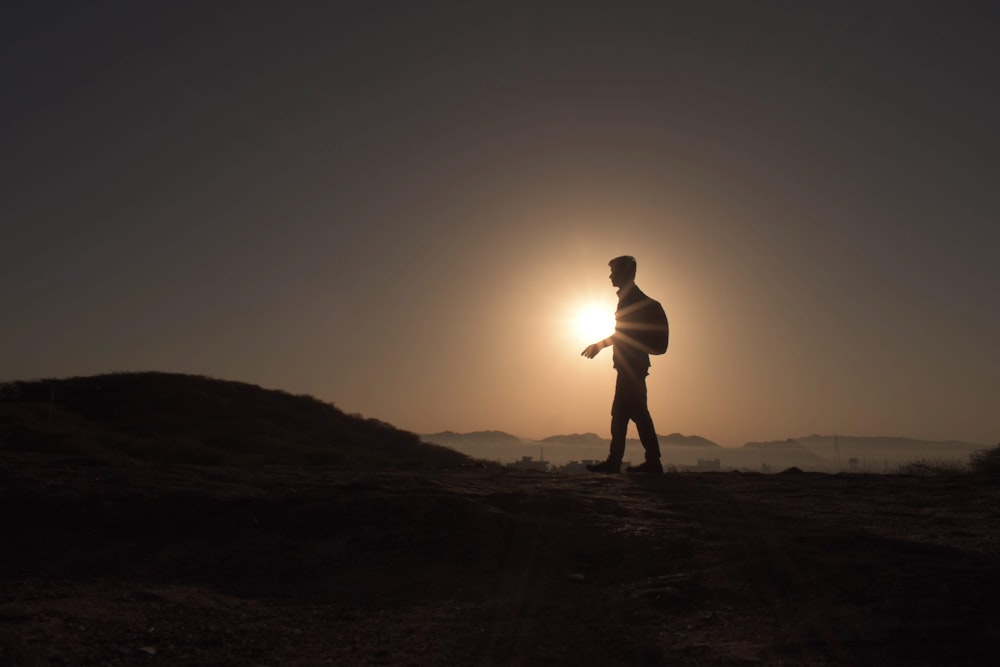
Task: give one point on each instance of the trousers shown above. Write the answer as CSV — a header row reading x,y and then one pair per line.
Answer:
x,y
630,404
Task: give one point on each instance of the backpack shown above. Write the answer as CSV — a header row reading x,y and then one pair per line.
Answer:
x,y
648,328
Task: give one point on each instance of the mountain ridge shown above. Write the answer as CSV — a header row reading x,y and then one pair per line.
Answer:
x,y
678,439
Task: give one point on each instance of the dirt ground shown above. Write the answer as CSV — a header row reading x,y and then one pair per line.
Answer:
x,y
181,565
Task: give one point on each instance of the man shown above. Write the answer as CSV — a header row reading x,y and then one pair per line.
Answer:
x,y
631,360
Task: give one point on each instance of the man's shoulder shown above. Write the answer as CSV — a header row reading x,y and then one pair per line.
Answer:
x,y
632,296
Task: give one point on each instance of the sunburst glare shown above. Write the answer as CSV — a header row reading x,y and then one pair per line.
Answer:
x,y
592,323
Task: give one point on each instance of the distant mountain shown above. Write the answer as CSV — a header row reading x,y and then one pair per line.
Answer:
x,y
889,448
451,438
176,418
880,442
576,439
871,453
680,440
774,444
672,440
472,437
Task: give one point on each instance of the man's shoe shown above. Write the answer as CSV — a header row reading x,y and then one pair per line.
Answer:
x,y
649,468
607,467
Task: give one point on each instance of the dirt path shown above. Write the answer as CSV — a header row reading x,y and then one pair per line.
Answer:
x,y
123,565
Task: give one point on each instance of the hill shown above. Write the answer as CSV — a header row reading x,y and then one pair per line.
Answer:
x,y
880,442
562,448
576,439
493,437
869,453
774,444
176,418
681,440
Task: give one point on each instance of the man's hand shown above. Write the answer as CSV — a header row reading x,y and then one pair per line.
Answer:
x,y
591,350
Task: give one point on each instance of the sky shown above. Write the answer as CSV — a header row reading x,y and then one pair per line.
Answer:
x,y
402,207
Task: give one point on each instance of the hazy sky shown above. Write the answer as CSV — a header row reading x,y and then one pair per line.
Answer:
x,y
399,207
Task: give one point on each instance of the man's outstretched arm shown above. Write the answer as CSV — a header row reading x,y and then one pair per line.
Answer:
x,y
591,350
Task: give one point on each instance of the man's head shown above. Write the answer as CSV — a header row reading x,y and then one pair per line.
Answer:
x,y
622,270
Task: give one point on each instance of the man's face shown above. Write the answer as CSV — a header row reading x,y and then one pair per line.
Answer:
x,y
618,278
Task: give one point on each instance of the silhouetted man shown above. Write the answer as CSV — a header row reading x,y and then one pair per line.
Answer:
x,y
631,360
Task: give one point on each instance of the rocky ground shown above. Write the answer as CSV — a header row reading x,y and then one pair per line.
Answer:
x,y
144,565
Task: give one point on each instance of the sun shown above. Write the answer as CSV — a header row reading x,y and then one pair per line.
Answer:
x,y
592,323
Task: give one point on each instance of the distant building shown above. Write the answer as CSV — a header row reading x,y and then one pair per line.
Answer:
x,y
574,467
529,463
577,467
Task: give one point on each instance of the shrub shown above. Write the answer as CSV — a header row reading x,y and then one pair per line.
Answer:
x,y
986,461
933,467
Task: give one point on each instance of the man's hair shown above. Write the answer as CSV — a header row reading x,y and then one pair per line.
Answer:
x,y
624,265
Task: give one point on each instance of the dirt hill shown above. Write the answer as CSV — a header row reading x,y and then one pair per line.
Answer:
x,y
168,519
175,418
128,564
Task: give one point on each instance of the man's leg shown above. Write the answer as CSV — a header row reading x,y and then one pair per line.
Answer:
x,y
647,432
619,429
647,435
622,410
